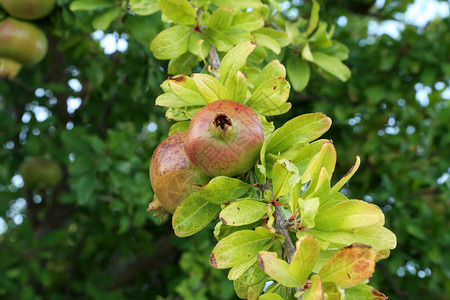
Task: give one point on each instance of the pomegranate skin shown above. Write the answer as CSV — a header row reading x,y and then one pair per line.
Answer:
x,y
224,138
28,9
172,174
22,42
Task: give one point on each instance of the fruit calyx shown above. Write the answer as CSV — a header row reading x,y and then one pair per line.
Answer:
x,y
224,138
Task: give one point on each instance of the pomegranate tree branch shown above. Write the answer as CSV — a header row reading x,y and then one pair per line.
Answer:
x,y
282,226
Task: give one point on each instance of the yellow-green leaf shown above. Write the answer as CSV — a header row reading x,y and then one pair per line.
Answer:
x,y
243,212
193,214
179,11
277,269
234,60
298,71
144,7
239,247
270,97
209,87
304,258
315,291
348,215
171,42
222,189
349,266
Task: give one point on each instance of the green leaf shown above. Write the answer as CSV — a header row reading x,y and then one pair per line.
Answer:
x,y
243,212
270,97
238,4
141,28
320,38
240,247
209,87
239,270
193,214
179,127
314,18
309,208
304,258
376,236
270,296
104,19
171,42
236,87
349,266
222,189
179,11
182,64
306,53
85,187
337,187
333,292
181,113
234,60
282,172
198,45
90,4
144,7
332,65
267,126
282,38
245,291
302,129
221,18
364,292
268,42
315,291
271,70
348,215
298,71
186,90
253,275
170,100
219,39
239,36
326,159
277,269
249,21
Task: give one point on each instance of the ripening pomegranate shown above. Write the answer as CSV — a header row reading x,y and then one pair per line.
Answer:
x,y
172,174
224,138
22,42
28,9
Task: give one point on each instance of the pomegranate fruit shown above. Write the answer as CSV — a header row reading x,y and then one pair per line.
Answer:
x,y
224,138
9,68
22,42
172,174
28,9
40,173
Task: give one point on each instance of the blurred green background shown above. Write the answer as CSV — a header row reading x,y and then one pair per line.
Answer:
x,y
90,106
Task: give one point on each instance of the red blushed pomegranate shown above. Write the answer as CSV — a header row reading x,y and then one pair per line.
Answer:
x,y
224,138
172,174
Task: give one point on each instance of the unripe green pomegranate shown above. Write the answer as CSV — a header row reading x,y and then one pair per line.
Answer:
x,y
22,42
28,9
224,138
40,173
172,174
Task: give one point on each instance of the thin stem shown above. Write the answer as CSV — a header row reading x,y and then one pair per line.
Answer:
x,y
282,226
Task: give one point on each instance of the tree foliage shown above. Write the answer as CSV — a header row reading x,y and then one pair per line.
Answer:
x,y
90,236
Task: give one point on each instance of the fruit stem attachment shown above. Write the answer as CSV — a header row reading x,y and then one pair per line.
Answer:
x,y
222,121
